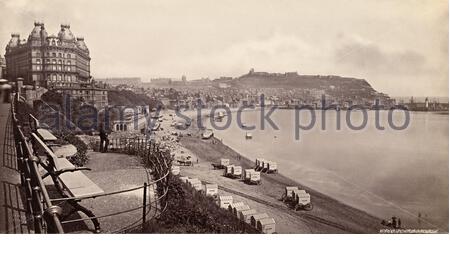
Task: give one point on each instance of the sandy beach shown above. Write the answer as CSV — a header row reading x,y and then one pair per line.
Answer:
x,y
328,215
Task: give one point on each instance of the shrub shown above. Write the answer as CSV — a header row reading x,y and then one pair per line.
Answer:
x,y
81,157
189,211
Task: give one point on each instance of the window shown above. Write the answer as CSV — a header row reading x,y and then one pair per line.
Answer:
x,y
69,79
54,54
38,61
38,67
59,67
54,67
53,43
59,77
68,55
48,61
68,68
59,55
53,61
59,62
69,63
54,77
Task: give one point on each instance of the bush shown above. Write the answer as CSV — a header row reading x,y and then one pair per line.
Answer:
x,y
192,212
81,157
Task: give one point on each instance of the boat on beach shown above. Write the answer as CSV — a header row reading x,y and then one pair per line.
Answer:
x,y
207,134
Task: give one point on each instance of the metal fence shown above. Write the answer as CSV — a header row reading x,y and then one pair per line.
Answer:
x,y
45,211
39,207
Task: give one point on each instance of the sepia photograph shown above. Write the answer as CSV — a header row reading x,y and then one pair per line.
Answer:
x,y
224,117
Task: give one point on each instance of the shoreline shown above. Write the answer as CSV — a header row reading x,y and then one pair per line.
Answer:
x,y
328,216
336,216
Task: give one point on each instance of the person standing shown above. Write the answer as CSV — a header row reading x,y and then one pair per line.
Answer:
x,y
104,142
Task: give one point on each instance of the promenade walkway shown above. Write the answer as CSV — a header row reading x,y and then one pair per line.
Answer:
x,y
114,172
12,213
111,171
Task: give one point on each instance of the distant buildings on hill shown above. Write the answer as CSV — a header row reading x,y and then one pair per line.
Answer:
x,y
134,81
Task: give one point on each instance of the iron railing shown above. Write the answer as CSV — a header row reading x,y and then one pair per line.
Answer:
x,y
44,211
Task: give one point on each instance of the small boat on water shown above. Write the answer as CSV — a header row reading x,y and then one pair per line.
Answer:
x,y
248,135
219,117
207,134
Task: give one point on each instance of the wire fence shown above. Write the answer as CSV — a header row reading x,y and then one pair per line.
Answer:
x,y
45,211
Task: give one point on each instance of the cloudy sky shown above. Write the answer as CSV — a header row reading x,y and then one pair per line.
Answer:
x,y
399,46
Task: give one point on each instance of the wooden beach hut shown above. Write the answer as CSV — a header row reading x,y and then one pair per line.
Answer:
x,y
256,217
228,171
236,171
211,190
246,214
246,174
195,183
266,225
233,205
237,209
272,167
288,194
225,201
255,178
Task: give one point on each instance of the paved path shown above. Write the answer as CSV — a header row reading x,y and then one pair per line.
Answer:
x,y
12,213
114,172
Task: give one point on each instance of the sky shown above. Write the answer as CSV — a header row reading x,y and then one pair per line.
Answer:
x,y
399,46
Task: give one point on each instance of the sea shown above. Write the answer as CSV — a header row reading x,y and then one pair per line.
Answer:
x,y
398,167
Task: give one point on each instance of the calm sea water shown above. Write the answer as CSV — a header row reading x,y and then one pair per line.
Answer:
x,y
385,173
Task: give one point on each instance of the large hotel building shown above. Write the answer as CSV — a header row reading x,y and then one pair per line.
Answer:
x,y
60,63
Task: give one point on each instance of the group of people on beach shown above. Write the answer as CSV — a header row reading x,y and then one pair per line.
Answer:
x,y
394,222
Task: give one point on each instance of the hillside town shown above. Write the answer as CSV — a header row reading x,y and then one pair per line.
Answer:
x,y
224,126
46,75
61,63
